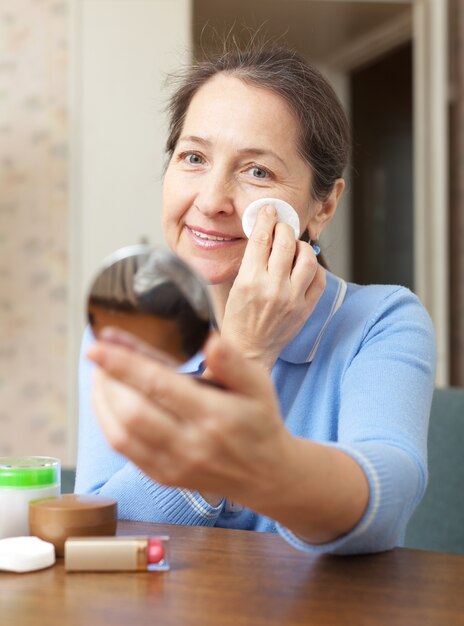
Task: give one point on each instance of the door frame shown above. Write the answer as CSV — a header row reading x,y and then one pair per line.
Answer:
x,y
427,27
431,100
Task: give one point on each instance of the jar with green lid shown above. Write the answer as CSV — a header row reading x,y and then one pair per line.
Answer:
x,y
22,479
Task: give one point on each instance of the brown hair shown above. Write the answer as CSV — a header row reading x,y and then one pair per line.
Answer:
x,y
324,130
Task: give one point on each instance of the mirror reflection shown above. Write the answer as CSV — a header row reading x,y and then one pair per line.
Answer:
x,y
153,295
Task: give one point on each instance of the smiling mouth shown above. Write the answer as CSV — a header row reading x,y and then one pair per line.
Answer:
x,y
209,237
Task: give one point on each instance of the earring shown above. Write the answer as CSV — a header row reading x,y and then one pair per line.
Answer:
x,y
315,247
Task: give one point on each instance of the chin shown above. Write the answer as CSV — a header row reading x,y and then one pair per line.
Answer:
x,y
213,275
214,271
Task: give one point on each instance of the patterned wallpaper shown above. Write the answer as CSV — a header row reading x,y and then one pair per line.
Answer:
x,y
33,226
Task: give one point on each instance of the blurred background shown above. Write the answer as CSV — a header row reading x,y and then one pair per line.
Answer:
x,y
82,130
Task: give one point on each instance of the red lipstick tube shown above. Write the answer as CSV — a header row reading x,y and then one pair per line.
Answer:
x,y
106,554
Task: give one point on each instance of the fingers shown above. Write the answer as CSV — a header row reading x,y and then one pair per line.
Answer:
x,y
305,267
316,288
259,246
150,457
160,384
308,277
125,414
283,252
272,247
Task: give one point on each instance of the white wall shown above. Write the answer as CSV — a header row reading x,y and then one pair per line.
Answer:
x,y
122,51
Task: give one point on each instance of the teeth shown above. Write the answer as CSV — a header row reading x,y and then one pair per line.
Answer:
x,y
210,237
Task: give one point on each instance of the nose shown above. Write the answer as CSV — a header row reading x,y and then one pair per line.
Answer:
x,y
215,195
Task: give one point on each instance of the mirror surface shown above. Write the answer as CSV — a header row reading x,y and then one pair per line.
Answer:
x,y
155,297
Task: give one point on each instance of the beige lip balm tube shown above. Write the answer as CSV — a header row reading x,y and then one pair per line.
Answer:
x,y
100,554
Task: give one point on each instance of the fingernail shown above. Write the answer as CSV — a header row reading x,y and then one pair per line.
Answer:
x,y
270,209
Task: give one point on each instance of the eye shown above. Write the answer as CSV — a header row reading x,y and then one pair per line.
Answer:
x,y
259,172
192,158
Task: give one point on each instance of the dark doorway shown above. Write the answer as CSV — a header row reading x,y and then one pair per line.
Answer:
x,y
382,226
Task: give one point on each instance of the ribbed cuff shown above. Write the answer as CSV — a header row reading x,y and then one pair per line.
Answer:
x,y
182,506
395,485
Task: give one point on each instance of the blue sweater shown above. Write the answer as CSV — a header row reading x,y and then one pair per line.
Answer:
x,y
358,376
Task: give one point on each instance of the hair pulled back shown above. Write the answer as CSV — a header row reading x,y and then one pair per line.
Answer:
x,y
324,137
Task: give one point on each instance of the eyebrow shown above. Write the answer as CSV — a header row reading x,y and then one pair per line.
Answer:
x,y
251,151
262,152
195,139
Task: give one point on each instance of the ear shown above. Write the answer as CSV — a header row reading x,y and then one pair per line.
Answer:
x,y
324,211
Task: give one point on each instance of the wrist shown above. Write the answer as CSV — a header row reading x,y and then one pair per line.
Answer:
x,y
265,358
273,476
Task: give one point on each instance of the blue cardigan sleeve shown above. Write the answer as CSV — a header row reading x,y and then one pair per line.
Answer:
x,y
384,406
100,470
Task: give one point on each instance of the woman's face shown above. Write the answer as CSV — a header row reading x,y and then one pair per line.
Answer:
x,y
238,144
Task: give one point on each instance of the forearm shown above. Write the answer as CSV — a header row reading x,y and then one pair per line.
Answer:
x,y
320,494
247,455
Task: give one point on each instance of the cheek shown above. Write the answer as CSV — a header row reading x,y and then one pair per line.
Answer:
x,y
306,212
169,218
168,196
175,202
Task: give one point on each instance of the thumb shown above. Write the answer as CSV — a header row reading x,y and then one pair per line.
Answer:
x,y
228,367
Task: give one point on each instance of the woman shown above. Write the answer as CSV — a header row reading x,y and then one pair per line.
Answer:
x,y
320,432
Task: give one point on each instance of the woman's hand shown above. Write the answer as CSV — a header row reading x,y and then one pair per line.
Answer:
x,y
229,440
278,286
183,433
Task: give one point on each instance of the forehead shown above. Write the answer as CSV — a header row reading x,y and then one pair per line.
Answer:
x,y
228,102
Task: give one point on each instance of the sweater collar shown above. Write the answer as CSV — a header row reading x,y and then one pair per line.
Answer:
x,y
303,347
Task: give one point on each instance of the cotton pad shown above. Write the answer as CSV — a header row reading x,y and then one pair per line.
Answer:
x,y
285,213
25,554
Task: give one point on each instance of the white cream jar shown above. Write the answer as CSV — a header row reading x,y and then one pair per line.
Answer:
x,y
23,479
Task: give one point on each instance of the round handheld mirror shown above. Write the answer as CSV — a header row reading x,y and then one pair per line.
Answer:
x,y
155,302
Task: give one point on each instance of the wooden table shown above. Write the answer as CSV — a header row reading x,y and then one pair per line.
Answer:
x,y
227,577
